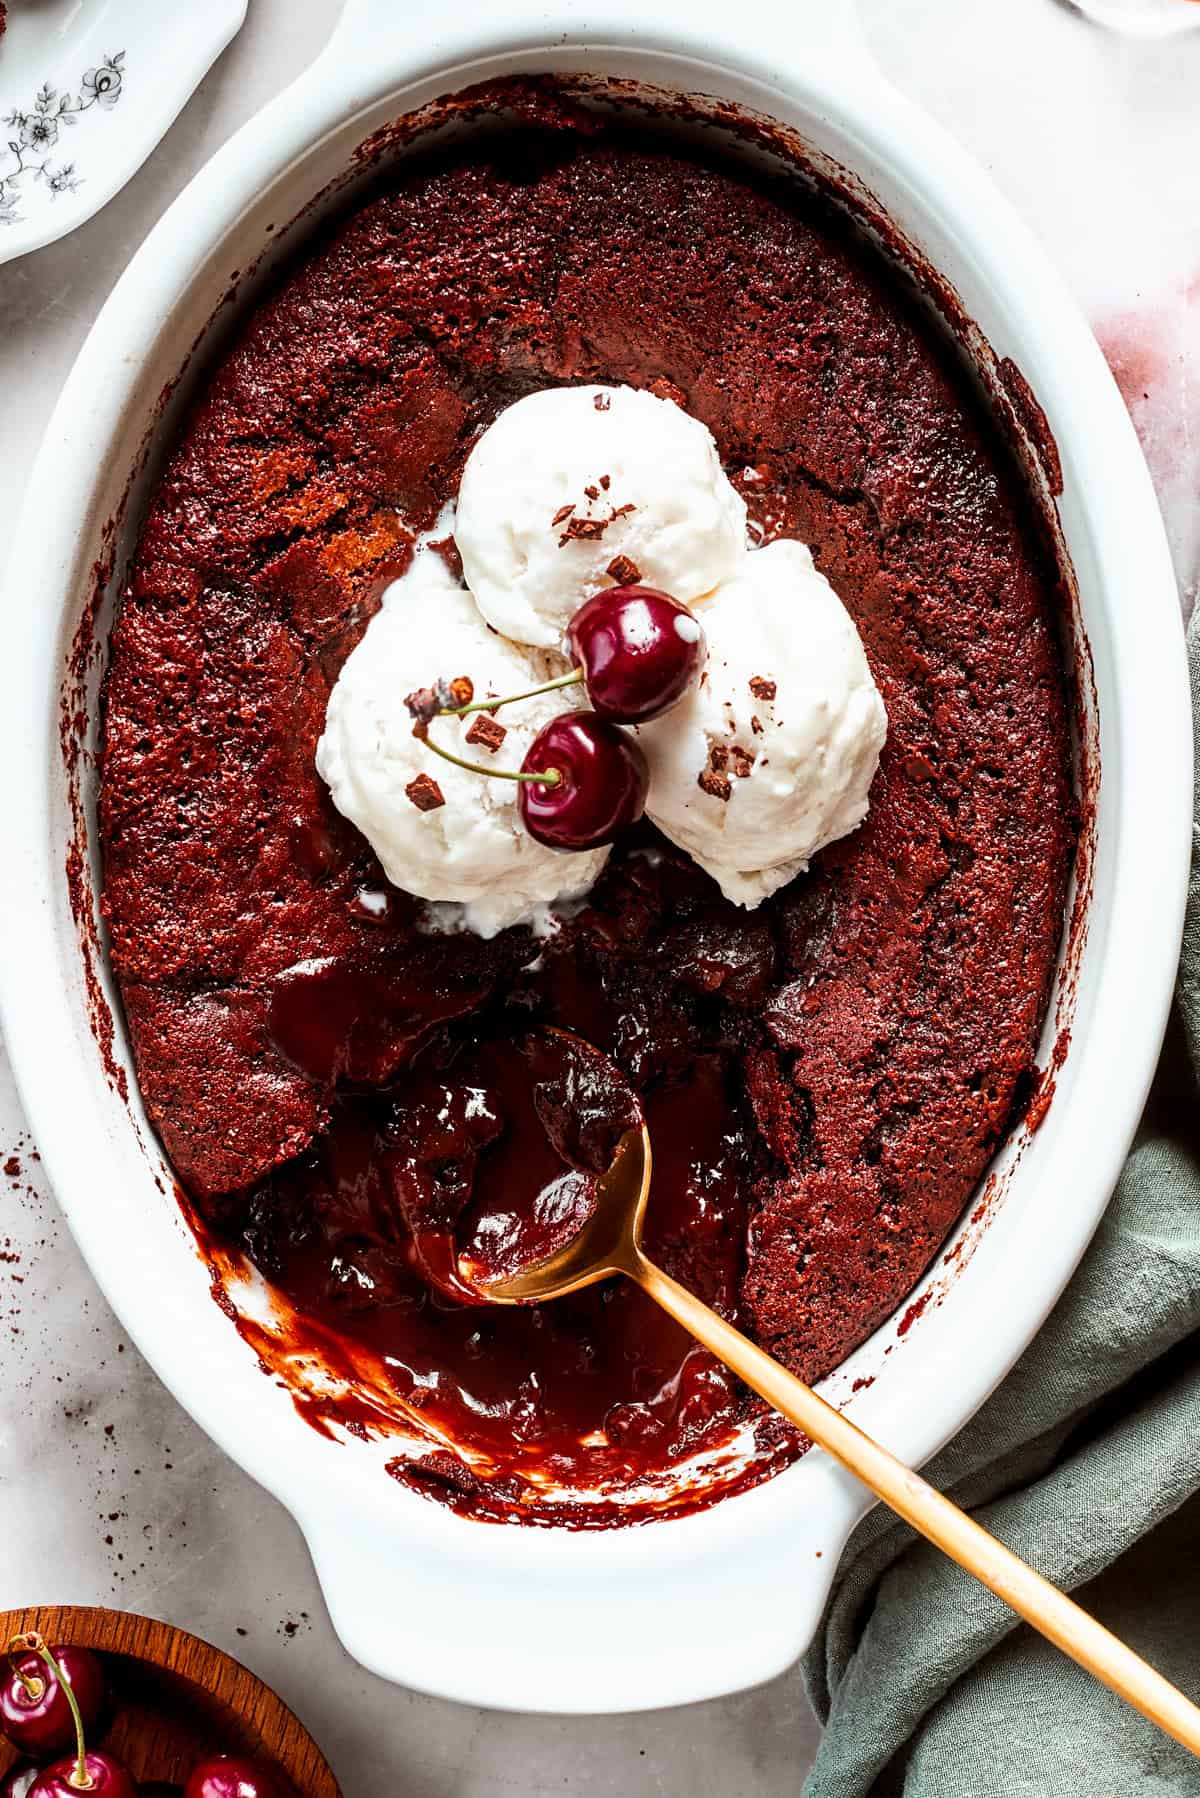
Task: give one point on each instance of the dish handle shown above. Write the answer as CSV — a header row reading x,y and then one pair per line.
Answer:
x,y
369,29
587,1622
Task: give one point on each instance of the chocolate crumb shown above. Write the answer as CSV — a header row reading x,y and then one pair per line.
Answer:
x,y
563,512
740,761
425,793
462,689
761,687
624,570
620,511
756,724
585,530
423,704
487,732
719,785
592,492
421,728
718,757
606,481
602,401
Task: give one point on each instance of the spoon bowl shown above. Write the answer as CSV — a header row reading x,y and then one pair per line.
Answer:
x,y
609,1243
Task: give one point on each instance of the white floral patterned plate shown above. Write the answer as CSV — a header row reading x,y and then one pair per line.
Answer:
x,y
87,89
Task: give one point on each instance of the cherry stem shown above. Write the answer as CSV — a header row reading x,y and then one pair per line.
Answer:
x,y
492,705
551,778
31,1685
80,1777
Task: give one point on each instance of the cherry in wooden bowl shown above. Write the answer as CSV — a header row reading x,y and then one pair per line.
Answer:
x,y
176,1702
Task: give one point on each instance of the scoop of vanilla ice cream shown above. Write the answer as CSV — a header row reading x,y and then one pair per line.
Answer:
x,y
569,478
473,849
751,784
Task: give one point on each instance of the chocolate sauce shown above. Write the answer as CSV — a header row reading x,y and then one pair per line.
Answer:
x,y
465,1154
348,1018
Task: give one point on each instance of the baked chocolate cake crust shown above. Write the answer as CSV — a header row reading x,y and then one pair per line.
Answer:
x,y
827,1076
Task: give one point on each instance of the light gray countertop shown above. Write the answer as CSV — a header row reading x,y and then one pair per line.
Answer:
x,y
108,1493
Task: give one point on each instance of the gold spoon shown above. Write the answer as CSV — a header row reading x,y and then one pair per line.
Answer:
x,y
610,1242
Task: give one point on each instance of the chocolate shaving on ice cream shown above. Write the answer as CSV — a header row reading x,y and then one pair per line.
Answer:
x,y
425,793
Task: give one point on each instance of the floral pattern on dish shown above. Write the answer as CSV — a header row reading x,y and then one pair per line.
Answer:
x,y
33,151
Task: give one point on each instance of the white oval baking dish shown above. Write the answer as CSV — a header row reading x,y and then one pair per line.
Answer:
x,y
547,1619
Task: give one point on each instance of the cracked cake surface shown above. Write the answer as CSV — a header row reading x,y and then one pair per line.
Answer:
x,y
825,1077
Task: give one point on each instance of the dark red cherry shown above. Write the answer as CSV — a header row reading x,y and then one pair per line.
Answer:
x,y
17,1781
107,1777
36,1717
233,1776
601,787
639,649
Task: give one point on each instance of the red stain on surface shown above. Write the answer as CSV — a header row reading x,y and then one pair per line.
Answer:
x,y
1154,353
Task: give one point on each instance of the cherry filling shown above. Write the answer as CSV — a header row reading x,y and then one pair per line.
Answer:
x,y
583,1103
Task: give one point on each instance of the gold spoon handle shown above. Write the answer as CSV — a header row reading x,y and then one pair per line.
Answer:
x,y
929,1511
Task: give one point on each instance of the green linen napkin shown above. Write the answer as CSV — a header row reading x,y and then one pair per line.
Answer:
x,y
1087,1462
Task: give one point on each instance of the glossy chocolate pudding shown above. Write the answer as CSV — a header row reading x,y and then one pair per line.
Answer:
x,y
343,1091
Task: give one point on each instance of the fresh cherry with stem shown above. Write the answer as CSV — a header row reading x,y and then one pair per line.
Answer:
x,y
99,1775
87,1770
233,1776
600,787
35,1712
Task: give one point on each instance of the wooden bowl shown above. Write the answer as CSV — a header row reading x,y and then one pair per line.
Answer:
x,y
176,1699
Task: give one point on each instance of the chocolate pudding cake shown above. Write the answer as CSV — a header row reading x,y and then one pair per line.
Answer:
x,y
341,1084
